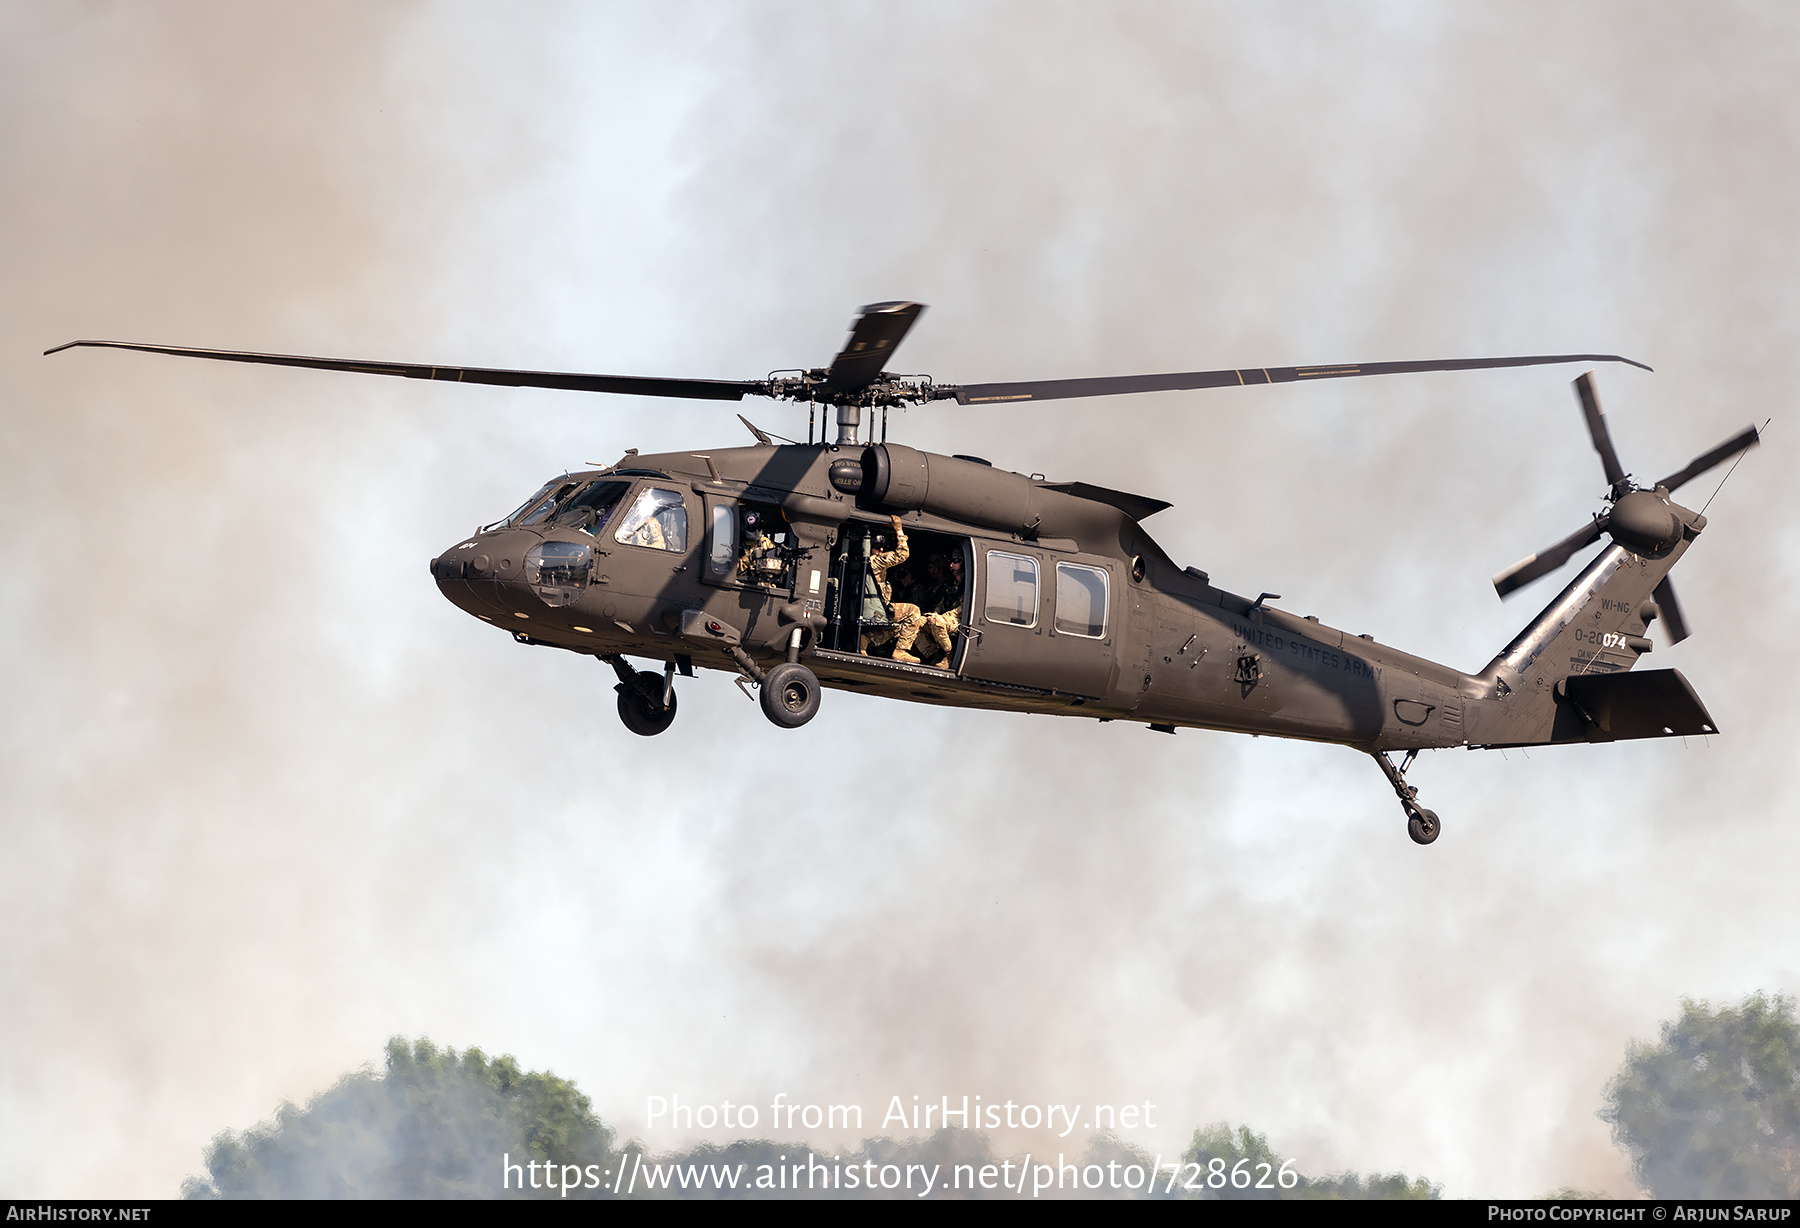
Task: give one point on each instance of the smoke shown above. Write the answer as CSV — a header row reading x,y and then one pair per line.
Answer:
x,y
271,799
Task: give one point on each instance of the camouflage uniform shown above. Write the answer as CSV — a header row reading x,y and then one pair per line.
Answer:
x,y
657,520
946,616
764,546
907,620
647,534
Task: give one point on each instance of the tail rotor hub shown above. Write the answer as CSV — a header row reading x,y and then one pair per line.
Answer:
x,y
1643,521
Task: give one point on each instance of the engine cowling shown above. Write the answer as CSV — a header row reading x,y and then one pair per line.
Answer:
x,y
905,479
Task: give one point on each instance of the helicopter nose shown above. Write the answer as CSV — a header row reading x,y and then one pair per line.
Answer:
x,y
473,575
483,557
463,561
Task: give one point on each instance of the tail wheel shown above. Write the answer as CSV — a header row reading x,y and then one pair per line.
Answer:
x,y
1423,826
790,695
641,706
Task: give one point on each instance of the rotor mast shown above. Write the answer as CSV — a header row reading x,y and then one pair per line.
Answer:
x,y
849,420
855,377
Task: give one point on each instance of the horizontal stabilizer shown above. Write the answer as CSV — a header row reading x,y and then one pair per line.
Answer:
x,y
1138,507
1657,703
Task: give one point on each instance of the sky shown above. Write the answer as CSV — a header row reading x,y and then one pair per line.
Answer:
x,y
269,799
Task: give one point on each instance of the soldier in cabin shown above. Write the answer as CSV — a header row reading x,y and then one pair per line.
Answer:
x,y
908,586
905,619
760,562
945,604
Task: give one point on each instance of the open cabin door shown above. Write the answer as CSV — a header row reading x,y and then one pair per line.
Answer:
x,y
861,622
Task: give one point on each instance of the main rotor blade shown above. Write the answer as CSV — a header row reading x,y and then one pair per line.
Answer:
x,y
1744,439
629,385
1596,422
1057,389
1544,562
1670,610
873,337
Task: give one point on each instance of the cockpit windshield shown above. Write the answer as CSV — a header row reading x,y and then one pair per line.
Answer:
x,y
591,507
537,509
530,504
572,502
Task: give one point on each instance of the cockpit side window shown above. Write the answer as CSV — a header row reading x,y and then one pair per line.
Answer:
x,y
658,519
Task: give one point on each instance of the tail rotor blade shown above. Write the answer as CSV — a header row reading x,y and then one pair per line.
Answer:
x,y
1745,439
877,331
1596,422
1670,610
1544,562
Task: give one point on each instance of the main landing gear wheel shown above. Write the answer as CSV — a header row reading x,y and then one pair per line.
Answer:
x,y
1423,826
641,705
790,695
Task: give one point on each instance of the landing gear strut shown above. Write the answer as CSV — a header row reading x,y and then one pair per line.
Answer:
x,y
790,691
1421,824
646,700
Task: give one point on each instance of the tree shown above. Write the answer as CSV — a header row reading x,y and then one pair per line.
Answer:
x,y
435,1125
1713,1111
1222,1153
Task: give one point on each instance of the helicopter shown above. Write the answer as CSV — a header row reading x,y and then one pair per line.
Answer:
x,y
787,565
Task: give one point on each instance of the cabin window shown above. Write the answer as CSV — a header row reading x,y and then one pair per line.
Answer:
x,y
721,552
1012,589
1080,600
658,520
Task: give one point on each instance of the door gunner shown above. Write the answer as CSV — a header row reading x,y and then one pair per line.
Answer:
x,y
905,618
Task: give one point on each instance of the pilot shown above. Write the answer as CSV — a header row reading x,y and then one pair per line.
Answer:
x,y
906,619
657,520
649,533
946,604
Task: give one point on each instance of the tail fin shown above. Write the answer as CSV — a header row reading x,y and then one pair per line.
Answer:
x,y
1554,682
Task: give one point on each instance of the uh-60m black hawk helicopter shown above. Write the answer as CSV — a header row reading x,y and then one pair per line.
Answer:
x,y
782,563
